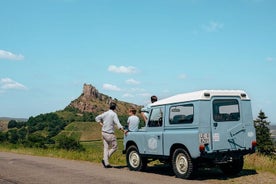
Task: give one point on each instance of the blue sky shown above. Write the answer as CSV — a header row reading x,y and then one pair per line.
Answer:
x,y
132,49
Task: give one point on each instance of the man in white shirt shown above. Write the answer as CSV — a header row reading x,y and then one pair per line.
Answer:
x,y
108,120
145,110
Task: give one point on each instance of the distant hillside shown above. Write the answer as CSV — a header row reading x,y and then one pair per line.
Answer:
x,y
3,125
5,120
92,101
273,132
16,119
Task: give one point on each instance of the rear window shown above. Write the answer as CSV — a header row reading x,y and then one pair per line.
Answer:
x,y
181,114
226,110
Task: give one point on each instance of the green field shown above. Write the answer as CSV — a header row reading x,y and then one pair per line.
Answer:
x,y
86,131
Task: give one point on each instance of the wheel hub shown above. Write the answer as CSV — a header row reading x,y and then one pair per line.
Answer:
x,y
134,159
181,163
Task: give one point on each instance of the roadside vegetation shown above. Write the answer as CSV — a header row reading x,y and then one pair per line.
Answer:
x,y
259,162
55,135
62,130
93,153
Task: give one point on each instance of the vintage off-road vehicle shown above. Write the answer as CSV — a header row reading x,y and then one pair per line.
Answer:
x,y
191,130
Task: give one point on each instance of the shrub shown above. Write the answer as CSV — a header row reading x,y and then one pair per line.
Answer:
x,y
3,137
35,141
69,144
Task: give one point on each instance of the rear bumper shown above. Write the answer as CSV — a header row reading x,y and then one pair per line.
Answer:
x,y
220,157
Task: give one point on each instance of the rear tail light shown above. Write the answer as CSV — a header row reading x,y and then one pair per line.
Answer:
x,y
254,144
201,148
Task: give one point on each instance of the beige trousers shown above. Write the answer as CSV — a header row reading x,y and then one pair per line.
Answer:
x,y
110,146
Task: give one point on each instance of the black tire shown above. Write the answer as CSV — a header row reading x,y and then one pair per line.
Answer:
x,y
182,164
232,168
134,160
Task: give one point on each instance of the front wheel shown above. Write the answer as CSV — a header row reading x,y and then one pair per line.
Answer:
x,y
183,166
134,160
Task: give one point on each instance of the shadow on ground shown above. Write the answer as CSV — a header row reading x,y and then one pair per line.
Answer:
x,y
202,174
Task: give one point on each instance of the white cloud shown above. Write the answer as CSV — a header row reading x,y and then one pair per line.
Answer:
x,y
270,59
122,69
111,87
141,90
182,76
128,95
213,26
132,81
7,83
10,56
145,94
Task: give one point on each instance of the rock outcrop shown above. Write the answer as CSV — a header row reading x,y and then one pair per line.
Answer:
x,y
91,100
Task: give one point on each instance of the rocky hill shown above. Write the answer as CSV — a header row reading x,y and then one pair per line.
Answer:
x,y
91,100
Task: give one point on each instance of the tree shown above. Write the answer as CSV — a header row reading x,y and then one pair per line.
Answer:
x,y
12,124
265,144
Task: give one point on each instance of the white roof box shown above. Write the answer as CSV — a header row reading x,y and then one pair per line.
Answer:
x,y
201,95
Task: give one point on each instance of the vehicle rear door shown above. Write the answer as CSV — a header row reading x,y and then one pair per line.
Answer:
x,y
228,130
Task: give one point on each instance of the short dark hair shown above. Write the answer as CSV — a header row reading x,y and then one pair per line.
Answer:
x,y
132,110
153,98
112,105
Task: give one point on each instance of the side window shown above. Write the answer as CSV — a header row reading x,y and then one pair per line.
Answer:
x,y
181,114
156,117
226,110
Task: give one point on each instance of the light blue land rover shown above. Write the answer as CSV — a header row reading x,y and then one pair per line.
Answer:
x,y
191,130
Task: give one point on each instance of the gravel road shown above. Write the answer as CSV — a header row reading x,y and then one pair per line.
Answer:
x,y
26,169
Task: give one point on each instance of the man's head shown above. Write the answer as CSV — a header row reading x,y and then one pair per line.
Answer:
x,y
112,105
132,111
153,98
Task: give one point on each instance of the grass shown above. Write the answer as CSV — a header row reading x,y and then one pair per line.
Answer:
x,y
93,152
260,163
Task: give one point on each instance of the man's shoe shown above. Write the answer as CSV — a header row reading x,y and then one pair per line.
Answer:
x,y
108,166
103,164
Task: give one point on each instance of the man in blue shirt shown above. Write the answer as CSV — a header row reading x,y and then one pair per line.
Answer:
x,y
133,120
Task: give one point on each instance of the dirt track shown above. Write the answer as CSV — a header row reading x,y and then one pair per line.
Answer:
x,y
25,169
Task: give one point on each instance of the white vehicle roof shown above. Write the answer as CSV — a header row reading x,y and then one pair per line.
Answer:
x,y
201,95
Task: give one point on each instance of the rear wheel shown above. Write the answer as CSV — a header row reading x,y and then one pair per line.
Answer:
x,y
232,168
134,160
183,166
